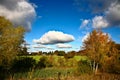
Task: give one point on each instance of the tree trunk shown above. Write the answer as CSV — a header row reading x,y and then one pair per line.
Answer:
x,y
96,68
93,66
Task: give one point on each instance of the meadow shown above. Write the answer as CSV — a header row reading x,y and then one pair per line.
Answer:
x,y
65,70
77,58
61,68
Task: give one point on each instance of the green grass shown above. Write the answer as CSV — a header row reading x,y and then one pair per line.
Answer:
x,y
37,58
45,73
66,72
77,58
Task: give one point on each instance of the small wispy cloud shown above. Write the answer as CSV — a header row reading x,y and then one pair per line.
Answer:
x,y
38,46
84,23
63,46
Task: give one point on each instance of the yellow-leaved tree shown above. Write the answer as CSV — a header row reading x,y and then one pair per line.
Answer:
x,y
10,40
97,46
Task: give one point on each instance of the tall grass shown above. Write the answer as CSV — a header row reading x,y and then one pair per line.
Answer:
x,y
68,74
45,73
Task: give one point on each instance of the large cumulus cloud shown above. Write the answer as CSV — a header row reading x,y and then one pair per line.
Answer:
x,y
54,37
20,12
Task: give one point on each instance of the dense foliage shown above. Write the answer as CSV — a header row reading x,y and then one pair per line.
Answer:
x,y
101,50
23,64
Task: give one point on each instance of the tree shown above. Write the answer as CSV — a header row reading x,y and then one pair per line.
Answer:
x,y
23,48
97,45
112,61
10,40
70,54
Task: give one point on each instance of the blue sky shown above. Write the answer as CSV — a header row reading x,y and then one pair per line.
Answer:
x,y
58,15
63,24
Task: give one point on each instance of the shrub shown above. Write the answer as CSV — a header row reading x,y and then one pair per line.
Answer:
x,y
4,73
71,62
69,55
44,62
61,62
113,68
23,64
84,67
112,65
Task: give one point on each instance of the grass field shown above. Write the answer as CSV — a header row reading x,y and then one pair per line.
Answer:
x,y
45,73
62,72
53,71
77,58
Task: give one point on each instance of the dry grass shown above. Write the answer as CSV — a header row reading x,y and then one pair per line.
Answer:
x,y
103,76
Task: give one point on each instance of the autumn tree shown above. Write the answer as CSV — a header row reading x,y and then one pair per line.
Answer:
x,y
10,40
112,61
97,45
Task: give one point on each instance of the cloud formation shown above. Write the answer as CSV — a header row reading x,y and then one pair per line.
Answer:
x,y
84,23
85,37
99,22
63,46
39,46
109,8
54,37
19,12
113,14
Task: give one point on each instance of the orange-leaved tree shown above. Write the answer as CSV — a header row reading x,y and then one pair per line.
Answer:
x,y
97,46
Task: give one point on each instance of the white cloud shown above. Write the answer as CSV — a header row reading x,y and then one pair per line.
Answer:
x,y
54,37
63,46
49,48
84,23
85,37
19,12
38,46
99,22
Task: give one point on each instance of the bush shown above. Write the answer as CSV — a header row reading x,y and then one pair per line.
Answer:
x,y
61,62
112,65
71,62
23,64
112,68
43,63
69,55
4,73
84,67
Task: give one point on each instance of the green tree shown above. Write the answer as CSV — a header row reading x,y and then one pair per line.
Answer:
x,y
10,40
23,49
97,45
